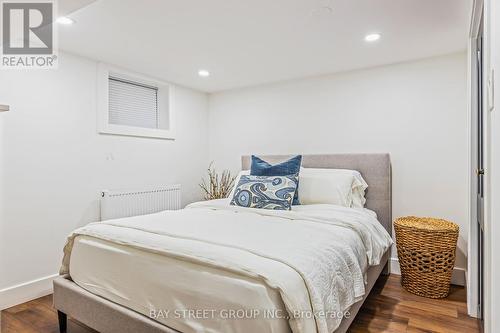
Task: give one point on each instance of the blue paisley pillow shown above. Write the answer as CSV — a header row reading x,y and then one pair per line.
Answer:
x,y
260,167
266,192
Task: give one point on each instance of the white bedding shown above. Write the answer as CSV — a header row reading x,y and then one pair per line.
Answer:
x,y
145,282
314,256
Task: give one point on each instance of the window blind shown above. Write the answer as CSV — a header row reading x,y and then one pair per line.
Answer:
x,y
132,103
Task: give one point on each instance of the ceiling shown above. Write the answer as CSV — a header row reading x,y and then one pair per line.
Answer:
x,y
65,7
250,42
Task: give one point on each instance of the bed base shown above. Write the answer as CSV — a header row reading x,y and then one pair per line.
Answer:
x,y
98,313
108,317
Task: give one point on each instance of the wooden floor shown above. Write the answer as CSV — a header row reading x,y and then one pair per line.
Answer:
x,y
388,309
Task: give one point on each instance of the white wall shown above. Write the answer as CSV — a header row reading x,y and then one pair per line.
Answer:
x,y
55,164
415,111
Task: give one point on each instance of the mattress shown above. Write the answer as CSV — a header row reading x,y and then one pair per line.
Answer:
x,y
218,268
166,289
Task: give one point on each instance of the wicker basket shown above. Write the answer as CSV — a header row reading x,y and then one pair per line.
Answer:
x,y
426,252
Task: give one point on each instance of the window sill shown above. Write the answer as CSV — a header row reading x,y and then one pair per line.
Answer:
x,y
137,131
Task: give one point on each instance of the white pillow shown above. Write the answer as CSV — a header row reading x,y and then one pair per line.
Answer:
x,y
358,190
326,186
341,187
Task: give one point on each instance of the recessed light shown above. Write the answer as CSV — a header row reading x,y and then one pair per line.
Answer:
x,y
372,37
203,73
64,20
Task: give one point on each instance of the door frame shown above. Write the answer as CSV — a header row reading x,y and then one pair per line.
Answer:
x,y
473,251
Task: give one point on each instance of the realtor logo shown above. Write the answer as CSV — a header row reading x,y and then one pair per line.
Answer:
x,y
28,36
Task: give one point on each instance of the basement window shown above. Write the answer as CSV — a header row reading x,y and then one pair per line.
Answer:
x,y
133,105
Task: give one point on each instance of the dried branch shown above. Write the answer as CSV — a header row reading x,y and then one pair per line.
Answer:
x,y
217,187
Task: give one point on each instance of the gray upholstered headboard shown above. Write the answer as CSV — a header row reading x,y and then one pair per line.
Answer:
x,y
375,169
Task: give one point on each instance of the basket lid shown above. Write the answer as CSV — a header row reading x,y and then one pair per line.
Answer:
x,y
426,223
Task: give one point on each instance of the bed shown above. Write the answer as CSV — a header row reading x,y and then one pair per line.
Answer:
x,y
117,281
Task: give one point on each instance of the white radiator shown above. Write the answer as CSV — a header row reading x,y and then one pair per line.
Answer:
x,y
124,203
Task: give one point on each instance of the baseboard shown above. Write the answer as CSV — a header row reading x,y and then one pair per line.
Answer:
x,y
457,277
26,291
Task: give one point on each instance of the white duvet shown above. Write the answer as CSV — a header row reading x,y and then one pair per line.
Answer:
x,y
329,246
